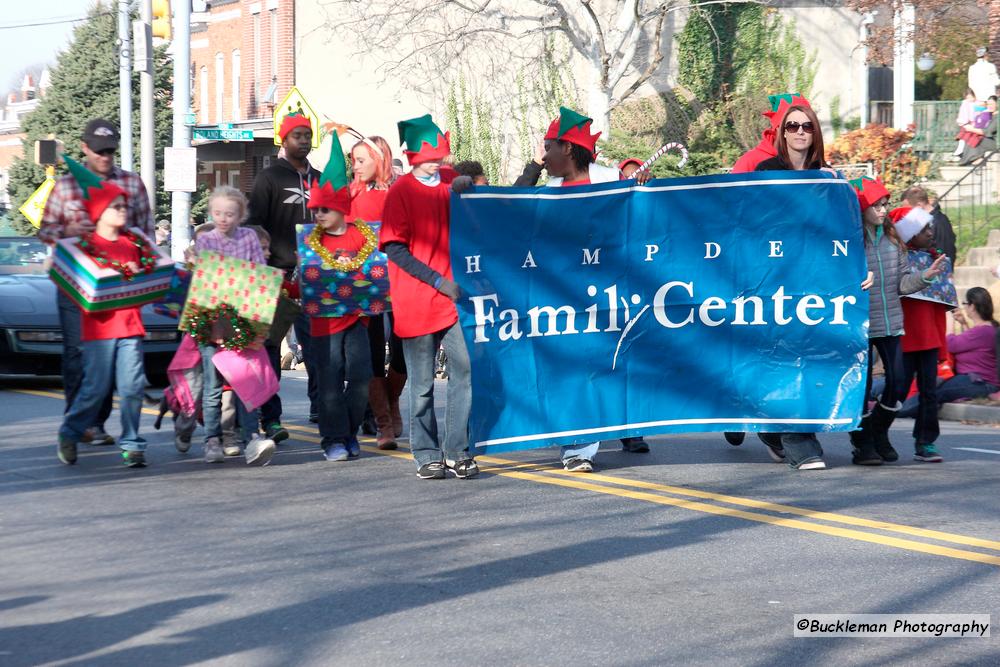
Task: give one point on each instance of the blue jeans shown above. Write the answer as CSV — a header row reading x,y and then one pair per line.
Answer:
x,y
116,361
953,389
342,358
72,358
421,362
211,400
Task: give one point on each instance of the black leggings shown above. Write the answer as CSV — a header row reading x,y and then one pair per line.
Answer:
x,y
888,350
376,339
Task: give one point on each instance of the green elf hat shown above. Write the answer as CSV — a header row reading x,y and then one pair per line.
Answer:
x,y
781,103
575,128
424,140
97,193
868,190
332,190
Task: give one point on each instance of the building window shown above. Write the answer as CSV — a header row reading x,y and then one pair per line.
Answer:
x,y
203,94
236,84
220,86
274,43
234,179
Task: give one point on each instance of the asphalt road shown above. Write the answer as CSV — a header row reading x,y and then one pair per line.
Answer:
x,y
697,553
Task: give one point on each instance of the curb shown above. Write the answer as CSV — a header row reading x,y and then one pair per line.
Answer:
x,y
987,414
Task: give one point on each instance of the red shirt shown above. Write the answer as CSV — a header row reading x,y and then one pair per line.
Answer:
x,y
367,205
924,322
121,323
417,216
349,243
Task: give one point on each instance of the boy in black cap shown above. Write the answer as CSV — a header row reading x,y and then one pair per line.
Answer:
x,y
66,216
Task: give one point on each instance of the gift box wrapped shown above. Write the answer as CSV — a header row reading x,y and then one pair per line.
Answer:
x,y
330,292
98,289
173,301
251,289
942,289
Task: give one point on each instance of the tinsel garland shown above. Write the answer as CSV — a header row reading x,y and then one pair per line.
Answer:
x,y
314,241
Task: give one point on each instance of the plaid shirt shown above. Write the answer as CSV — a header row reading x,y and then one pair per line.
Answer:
x,y
65,205
244,244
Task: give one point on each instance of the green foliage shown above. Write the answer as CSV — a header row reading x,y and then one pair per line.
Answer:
x,y
85,86
540,93
199,204
953,48
472,130
839,123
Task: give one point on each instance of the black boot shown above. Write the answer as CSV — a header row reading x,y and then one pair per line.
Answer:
x,y
881,419
864,445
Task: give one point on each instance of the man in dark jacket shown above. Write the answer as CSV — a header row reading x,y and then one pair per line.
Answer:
x,y
278,203
944,234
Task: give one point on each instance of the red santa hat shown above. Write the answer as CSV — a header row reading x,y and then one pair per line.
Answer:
x,y
909,221
573,128
868,190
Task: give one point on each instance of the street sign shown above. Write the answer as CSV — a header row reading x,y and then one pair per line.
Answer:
x,y
142,37
180,169
295,102
214,134
35,206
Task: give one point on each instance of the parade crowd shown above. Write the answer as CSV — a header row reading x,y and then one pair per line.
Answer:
x,y
362,358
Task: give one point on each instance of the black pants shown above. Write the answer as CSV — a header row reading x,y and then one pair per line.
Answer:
x,y
923,364
889,351
376,340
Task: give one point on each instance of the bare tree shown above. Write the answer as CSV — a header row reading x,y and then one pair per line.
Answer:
x,y
618,42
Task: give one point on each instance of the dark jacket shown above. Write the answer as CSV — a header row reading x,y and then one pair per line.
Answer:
x,y
529,177
278,203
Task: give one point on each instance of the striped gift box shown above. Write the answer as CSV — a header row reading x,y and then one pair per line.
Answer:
x,y
96,289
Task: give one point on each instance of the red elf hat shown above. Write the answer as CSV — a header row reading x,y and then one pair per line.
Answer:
x,y
575,129
291,121
424,140
780,104
332,190
97,194
869,191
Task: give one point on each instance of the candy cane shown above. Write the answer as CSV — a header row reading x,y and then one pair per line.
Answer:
x,y
661,151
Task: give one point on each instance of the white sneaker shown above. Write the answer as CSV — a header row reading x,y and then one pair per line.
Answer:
x,y
259,450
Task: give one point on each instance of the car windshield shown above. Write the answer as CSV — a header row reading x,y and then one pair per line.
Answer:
x,y
22,254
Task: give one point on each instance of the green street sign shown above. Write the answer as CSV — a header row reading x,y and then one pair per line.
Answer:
x,y
199,134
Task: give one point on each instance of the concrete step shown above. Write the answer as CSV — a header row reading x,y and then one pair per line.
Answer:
x,y
952,172
973,276
987,256
994,238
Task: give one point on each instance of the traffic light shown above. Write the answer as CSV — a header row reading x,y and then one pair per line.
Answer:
x,y
161,18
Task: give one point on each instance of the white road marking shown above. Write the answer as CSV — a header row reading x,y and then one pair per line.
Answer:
x,y
974,449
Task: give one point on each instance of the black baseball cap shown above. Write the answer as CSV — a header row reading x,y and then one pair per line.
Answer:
x,y
100,135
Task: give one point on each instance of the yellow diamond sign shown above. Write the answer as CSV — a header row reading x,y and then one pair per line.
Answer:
x,y
35,206
294,102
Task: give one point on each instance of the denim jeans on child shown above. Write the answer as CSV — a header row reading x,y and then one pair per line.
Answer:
x,y
111,362
339,358
72,357
421,363
211,397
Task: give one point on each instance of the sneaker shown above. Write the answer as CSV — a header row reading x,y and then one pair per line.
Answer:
x,y
734,438
353,448
774,447
432,470
887,452
96,435
463,469
182,444
927,454
231,450
275,431
66,451
213,451
133,459
811,463
259,450
335,452
577,464
635,446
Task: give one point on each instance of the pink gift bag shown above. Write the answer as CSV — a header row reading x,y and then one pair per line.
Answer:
x,y
249,373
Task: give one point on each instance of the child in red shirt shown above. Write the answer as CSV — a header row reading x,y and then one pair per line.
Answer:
x,y
339,344
111,340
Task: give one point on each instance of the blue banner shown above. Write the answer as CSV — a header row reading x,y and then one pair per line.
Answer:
x,y
713,303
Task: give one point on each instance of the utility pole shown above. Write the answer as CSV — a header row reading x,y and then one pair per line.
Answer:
x,y
180,202
147,150
125,84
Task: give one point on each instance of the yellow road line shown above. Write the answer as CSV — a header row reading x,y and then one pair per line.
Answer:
x,y
543,474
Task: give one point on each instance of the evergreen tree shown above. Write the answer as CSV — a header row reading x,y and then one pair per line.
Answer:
x,y
85,86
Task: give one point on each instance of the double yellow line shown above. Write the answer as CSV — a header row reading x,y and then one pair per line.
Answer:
x,y
787,516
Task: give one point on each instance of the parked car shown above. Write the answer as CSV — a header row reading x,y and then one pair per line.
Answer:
x,y
30,335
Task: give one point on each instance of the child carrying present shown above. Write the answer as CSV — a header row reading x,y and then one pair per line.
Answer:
x,y
228,208
112,340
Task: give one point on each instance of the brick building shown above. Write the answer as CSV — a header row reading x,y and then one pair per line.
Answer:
x,y
18,104
242,65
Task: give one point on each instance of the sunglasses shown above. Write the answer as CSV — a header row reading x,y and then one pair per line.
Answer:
x,y
118,207
793,127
